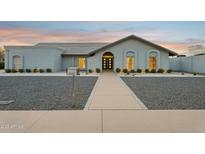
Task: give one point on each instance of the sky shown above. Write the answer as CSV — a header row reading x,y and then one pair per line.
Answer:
x,y
177,36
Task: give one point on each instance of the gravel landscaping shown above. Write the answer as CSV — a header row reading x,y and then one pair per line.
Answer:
x,y
44,92
161,93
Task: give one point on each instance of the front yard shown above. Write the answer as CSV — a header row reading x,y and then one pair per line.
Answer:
x,y
162,93
44,92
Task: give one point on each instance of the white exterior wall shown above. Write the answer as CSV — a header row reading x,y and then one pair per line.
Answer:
x,y
188,64
119,51
35,58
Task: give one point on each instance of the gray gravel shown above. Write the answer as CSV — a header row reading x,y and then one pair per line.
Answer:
x,y
44,92
161,93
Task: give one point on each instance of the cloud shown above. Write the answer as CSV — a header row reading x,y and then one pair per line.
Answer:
x,y
30,36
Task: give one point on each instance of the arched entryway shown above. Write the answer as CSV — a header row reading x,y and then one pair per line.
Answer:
x,y
107,61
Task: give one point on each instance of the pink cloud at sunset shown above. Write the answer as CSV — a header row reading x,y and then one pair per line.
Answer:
x,y
31,36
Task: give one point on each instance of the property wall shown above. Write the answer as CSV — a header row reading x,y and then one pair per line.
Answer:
x,y
119,52
33,57
188,64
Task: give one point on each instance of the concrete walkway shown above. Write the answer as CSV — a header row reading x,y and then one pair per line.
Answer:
x,y
112,93
109,121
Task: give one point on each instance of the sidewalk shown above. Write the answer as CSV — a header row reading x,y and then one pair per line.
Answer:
x,y
111,93
99,121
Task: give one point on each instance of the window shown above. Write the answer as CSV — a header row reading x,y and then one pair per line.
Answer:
x,y
130,63
130,60
17,62
152,62
82,63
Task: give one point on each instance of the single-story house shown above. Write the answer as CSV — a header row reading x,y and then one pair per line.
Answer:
x,y
131,52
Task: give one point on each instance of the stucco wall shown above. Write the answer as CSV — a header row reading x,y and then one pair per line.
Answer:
x,y
188,64
119,52
67,61
35,57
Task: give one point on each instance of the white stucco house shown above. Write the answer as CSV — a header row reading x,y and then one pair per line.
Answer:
x,y
131,52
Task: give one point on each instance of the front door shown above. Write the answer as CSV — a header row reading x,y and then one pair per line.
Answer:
x,y
107,62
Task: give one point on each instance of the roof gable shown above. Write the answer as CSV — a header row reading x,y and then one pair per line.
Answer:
x,y
135,38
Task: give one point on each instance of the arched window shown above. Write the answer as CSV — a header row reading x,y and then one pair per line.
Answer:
x,y
17,62
153,60
130,60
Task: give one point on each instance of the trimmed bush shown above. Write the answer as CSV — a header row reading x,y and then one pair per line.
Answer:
x,y
146,70
160,70
132,71
8,70
35,70
90,71
1,65
41,70
13,70
118,70
169,71
48,70
194,73
139,70
153,71
125,70
28,70
21,70
78,71
98,70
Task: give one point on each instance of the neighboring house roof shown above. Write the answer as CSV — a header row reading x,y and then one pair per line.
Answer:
x,y
193,52
75,48
136,38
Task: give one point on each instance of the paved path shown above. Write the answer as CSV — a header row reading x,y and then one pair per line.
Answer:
x,y
112,93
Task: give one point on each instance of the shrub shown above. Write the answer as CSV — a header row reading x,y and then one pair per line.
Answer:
x,y
118,70
48,70
98,70
1,65
90,71
8,70
194,73
35,70
125,70
41,70
13,70
78,71
146,70
21,70
153,71
28,70
132,71
169,71
160,70
139,70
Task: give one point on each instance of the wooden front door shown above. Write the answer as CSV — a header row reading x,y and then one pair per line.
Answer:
x,y
107,62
